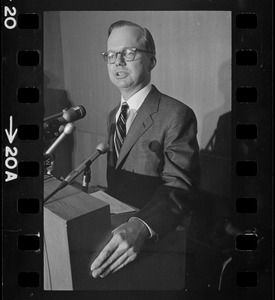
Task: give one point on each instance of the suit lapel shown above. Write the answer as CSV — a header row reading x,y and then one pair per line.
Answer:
x,y
141,123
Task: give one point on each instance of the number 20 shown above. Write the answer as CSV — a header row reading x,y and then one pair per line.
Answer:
x,y
10,13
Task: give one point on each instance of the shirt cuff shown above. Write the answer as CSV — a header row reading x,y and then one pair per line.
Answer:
x,y
151,231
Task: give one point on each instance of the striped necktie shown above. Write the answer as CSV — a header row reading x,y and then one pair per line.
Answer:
x,y
120,132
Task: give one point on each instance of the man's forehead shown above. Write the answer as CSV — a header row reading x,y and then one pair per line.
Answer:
x,y
126,36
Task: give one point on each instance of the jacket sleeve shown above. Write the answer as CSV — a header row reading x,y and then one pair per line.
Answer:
x,y
176,198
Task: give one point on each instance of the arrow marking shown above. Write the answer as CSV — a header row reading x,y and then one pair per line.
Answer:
x,y
11,135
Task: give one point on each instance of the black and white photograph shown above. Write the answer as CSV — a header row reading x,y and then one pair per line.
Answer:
x,y
137,150
151,93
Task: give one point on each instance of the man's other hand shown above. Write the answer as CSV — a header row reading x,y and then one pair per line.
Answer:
x,y
123,248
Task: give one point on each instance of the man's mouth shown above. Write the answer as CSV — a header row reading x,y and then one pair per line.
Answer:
x,y
121,74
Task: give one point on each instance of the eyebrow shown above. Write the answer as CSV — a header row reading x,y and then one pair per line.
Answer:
x,y
126,47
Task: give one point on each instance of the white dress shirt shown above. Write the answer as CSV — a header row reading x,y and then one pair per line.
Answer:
x,y
134,103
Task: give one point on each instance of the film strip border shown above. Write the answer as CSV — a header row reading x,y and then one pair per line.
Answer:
x,y
22,106
23,147
250,165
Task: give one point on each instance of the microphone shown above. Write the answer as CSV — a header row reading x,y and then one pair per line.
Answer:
x,y
48,156
51,124
68,113
102,148
69,128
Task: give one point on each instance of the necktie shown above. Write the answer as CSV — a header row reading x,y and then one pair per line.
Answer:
x,y
120,132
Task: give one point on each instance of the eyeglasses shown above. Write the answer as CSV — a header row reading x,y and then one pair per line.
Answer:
x,y
128,54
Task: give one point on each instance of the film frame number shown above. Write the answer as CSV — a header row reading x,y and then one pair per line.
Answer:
x,y
10,20
11,153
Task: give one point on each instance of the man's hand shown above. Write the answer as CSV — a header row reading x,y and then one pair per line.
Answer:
x,y
123,248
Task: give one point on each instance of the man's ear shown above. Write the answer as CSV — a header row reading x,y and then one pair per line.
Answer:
x,y
153,62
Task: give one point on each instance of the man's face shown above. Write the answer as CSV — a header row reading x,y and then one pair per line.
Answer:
x,y
128,76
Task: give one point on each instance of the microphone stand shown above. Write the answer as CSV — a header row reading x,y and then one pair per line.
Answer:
x,y
85,165
65,183
86,179
48,163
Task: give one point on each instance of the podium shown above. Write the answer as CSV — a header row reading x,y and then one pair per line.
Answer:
x,y
77,226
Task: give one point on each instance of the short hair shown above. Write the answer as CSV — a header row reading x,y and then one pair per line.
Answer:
x,y
147,36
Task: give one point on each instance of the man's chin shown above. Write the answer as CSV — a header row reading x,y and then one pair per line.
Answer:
x,y
121,84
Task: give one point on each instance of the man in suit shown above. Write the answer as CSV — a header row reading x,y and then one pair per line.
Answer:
x,y
153,161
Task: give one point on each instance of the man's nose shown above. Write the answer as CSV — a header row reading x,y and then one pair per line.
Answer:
x,y
120,61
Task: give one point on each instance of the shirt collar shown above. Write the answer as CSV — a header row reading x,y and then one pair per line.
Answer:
x,y
137,99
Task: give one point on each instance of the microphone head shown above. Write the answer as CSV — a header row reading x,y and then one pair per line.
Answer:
x,y
102,148
69,128
74,113
81,111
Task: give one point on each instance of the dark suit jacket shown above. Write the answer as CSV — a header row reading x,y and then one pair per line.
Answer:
x,y
158,167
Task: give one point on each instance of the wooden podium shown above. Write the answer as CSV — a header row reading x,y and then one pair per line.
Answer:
x,y
76,228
